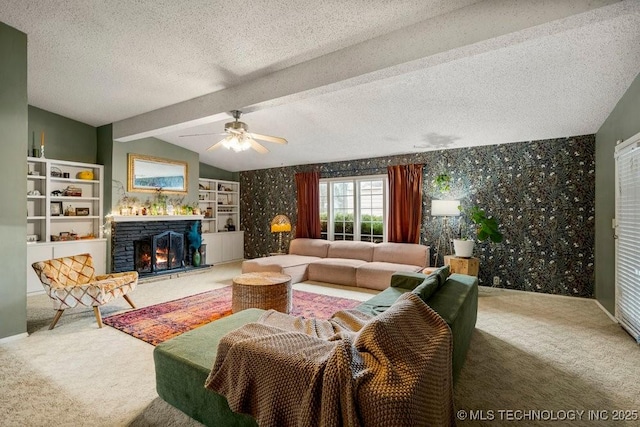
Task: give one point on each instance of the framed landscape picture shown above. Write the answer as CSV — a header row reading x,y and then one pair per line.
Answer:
x,y
149,174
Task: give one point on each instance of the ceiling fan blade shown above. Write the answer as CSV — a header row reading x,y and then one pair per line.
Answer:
x,y
258,147
215,146
200,134
274,139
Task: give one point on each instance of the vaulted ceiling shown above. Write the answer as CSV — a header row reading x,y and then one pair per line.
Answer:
x,y
339,79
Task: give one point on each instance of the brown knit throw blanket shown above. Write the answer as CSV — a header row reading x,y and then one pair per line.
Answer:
x,y
393,369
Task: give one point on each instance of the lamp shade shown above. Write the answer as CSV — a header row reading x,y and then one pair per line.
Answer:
x,y
280,223
445,207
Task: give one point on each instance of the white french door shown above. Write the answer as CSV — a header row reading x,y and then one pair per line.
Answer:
x,y
627,157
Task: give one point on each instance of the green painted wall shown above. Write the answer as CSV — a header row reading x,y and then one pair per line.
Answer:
x,y
65,139
622,123
156,148
105,157
13,191
212,172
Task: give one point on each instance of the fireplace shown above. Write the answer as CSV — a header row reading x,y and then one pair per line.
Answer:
x,y
162,252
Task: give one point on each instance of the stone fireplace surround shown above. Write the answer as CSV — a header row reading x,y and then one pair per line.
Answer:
x,y
125,230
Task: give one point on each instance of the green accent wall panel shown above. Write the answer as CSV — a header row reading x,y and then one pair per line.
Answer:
x,y
622,123
65,139
212,172
13,172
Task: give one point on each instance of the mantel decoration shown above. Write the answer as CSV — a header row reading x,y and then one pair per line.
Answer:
x,y
280,224
148,174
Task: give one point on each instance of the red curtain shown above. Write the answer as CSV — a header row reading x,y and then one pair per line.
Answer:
x,y
308,185
405,203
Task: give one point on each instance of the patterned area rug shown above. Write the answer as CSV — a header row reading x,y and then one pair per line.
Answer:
x,y
160,322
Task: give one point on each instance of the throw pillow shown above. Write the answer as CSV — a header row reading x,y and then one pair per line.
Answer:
x,y
427,288
442,274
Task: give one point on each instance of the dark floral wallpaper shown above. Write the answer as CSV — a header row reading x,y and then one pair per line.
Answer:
x,y
541,192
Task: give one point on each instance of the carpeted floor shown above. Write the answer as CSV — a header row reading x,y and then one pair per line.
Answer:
x,y
529,352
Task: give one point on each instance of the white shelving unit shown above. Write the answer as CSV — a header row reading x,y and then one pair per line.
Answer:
x,y
59,224
219,202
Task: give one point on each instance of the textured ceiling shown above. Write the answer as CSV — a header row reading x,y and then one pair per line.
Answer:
x,y
101,62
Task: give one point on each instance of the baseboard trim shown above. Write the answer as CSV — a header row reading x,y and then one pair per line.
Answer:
x,y
13,338
611,316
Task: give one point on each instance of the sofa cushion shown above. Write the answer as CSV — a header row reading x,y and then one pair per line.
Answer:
x,y
293,265
309,247
402,253
427,288
276,261
377,275
351,250
335,270
442,274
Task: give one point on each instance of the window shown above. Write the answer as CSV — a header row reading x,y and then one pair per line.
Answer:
x,y
354,208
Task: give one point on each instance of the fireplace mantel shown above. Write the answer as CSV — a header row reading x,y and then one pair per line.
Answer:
x,y
136,218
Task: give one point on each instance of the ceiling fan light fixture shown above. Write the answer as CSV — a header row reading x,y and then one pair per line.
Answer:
x,y
236,143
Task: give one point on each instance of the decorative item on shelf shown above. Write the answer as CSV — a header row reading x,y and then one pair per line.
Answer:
x,y
42,145
82,211
66,175
56,172
72,191
445,209
87,174
34,173
32,238
34,151
208,213
69,211
56,208
230,226
280,224
33,193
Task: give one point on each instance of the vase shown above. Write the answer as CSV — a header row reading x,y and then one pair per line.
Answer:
x,y
196,258
463,248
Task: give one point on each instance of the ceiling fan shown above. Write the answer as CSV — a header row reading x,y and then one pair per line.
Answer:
x,y
239,138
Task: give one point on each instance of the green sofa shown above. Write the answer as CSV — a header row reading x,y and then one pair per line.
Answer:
x,y
183,363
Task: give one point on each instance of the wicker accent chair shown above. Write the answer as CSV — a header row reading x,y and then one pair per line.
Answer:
x,y
70,281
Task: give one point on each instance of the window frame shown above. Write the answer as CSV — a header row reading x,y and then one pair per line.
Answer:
x,y
357,220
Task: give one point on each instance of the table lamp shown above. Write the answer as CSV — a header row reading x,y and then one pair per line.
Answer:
x,y
280,224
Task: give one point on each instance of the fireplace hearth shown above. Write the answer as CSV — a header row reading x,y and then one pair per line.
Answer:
x,y
159,253
132,245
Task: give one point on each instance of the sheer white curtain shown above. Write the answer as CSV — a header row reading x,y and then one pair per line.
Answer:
x,y
628,235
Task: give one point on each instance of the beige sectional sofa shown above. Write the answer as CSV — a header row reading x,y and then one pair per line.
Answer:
x,y
362,264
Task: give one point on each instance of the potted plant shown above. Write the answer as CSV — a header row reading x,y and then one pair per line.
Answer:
x,y
442,183
486,228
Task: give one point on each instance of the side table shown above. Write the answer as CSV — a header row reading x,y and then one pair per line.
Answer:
x,y
267,290
468,266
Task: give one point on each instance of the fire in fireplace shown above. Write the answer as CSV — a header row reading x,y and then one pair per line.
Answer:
x,y
164,251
